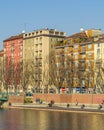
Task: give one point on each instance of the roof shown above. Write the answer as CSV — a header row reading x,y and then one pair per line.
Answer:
x,y
14,37
99,39
78,35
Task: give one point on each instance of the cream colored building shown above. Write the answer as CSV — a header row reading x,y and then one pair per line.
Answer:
x,y
37,46
99,64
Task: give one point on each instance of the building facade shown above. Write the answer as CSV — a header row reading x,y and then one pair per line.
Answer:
x,y
37,47
13,59
2,71
77,57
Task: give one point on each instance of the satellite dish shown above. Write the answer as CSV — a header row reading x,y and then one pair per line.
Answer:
x,y
81,29
23,31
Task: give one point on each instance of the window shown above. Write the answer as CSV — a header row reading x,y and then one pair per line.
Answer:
x,y
21,47
56,33
90,64
69,42
20,54
83,83
58,65
89,46
40,38
75,47
61,33
75,64
83,48
33,33
83,56
98,44
89,55
76,56
98,52
40,43
66,49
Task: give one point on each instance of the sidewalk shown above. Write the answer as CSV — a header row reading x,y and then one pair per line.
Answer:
x,y
64,107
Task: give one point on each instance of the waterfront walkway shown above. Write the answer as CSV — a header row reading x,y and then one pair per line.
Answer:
x,y
61,107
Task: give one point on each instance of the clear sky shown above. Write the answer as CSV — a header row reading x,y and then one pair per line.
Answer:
x,y
63,15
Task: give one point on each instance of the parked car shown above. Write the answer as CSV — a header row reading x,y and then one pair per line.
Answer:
x,y
29,94
51,90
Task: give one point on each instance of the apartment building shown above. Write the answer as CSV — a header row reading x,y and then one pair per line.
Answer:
x,y
13,58
37,47
77,55
99,63
1,70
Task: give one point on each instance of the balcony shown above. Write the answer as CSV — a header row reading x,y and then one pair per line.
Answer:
x,y
82,59
98,61
82,67
82,51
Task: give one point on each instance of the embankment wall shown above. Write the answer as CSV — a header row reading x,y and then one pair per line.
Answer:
x,y
62,98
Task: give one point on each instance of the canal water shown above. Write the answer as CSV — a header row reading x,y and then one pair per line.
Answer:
x,y
16,119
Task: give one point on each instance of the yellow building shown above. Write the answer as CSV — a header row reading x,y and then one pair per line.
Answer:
x,y
77,58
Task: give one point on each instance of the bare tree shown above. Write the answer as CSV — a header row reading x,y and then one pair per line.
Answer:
x,y
99,77
58,70
90,75
7,73
1,74
28,75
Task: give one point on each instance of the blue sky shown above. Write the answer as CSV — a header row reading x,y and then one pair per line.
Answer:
x,y
64,15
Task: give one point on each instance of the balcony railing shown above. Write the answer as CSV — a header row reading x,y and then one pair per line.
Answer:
x,y
82,51
82,59
82,67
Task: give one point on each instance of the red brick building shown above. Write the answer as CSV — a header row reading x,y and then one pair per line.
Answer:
x,y
1,69
13,58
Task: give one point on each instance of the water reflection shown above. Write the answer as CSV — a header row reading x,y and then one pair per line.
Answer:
x,y
14,119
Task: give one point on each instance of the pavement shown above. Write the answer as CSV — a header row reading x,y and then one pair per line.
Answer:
x,y
60,106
